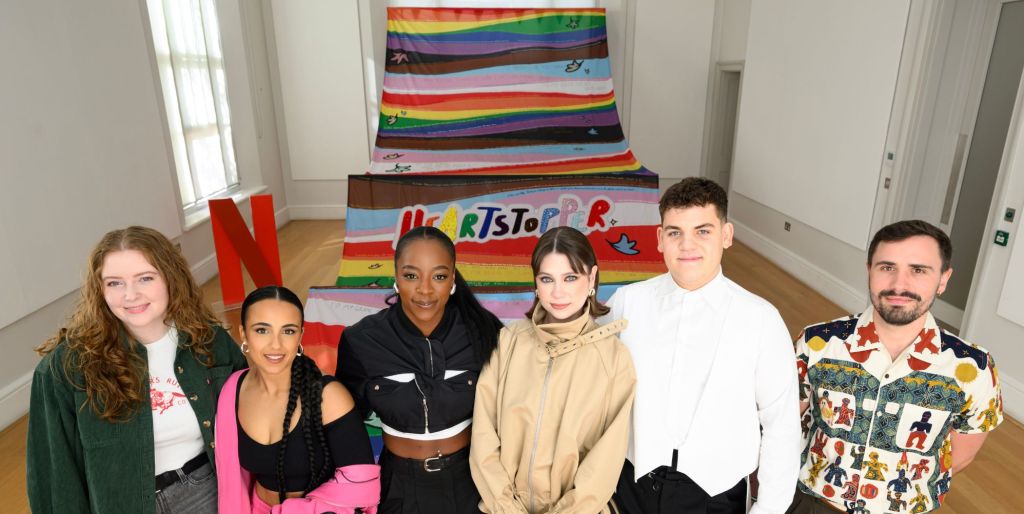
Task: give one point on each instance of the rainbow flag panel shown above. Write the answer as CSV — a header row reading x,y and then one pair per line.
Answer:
x,y
499,92
496,221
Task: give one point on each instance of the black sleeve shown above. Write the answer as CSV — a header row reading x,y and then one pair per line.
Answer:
x,y
348,440
352,375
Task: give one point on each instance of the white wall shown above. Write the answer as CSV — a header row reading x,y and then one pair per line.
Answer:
x,y
671,63
734,23
83,150
815,110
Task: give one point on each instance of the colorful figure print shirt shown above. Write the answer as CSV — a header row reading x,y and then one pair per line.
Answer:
x,y
878,430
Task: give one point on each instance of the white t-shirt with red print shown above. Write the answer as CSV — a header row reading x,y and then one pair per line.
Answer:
x,y
176,435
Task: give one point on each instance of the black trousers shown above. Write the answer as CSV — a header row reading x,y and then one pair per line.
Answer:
x,y
407,488
666,490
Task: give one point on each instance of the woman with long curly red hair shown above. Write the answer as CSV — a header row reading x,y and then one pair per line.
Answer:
x,y
122,409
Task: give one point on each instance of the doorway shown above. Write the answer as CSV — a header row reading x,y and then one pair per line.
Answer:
x,y
981,169
977,79
725,107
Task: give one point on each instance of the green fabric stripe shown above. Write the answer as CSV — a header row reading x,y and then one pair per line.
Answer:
x,y
419,122
546,25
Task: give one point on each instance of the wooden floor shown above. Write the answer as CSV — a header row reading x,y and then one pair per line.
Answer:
x,y
310,251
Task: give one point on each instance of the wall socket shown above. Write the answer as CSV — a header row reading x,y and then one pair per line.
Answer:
x,y
787,226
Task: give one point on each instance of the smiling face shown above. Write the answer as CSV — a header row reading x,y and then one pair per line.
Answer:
x,y
136,294
904,277
272,331
563,291
692,240
425,273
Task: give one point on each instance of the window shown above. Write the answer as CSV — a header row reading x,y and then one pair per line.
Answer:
x,y
190,61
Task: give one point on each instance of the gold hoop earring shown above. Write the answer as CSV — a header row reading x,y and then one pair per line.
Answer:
x,y
395,287
299,353
245,347
592,292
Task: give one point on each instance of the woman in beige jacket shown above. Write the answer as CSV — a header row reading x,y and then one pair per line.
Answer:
x,y
552,413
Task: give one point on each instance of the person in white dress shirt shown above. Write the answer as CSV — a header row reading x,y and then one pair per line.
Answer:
x,y
716,395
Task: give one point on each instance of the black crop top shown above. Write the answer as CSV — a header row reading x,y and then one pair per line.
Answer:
x,y
386,344
346,438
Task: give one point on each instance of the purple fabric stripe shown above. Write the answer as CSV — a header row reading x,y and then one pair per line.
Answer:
x,y
425,83
568,120
378,156
483,48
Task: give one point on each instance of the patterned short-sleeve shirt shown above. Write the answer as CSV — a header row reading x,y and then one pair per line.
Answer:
x,y
878,430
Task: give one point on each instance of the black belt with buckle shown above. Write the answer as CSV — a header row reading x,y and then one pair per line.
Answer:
x,y
431,464
169,478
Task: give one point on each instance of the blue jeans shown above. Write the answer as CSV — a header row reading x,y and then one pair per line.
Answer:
x,y
194,493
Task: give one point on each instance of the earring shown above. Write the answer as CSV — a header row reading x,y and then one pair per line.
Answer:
x,y
298,353
592,291
395,287
536,292
245,347
453,290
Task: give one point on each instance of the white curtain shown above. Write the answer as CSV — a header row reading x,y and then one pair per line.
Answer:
x,y
186,39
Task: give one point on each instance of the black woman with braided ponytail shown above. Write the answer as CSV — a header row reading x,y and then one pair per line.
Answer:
x,y
415,364
287,435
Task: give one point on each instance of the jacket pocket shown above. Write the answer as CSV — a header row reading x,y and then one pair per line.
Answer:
x,y
463,382
96,432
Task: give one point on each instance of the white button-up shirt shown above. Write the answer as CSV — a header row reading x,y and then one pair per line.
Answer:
x,y
714,368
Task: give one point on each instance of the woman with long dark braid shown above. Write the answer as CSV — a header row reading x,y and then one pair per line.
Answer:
x,y
415,364
264,466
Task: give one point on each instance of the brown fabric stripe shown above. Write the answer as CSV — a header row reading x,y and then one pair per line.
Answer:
x,y
389,192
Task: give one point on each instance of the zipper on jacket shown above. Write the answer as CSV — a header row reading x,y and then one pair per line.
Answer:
x,y
430,351
426,413
536,431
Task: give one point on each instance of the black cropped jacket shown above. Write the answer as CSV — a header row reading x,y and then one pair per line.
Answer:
x,y
387,344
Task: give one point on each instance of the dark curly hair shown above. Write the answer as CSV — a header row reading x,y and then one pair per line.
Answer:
x,y
695,192
902,230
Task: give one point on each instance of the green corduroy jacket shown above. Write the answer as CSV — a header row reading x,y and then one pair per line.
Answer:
x,y
80,463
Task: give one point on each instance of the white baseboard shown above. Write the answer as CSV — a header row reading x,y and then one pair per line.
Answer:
x,y
1013,396
849,298
317,212
948,313
14,400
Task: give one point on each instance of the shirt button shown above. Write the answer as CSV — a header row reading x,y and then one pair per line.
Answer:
x,y
206,423
194,397
886,375
212,445
181,370
470,382
376,388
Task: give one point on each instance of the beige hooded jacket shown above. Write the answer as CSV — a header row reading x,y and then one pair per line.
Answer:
x,y
552,417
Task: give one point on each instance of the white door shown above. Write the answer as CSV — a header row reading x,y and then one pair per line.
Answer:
x,y
995,309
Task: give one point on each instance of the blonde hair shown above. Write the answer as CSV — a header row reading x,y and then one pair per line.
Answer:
x,y
113,373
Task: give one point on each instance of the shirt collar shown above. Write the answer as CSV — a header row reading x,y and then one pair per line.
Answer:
x,y
715,293
926,345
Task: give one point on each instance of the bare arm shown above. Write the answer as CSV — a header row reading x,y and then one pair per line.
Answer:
x,y
965,447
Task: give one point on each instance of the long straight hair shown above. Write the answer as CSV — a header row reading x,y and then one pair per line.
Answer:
x,y
576,247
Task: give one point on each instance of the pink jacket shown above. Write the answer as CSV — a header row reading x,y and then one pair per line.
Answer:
x,y
352,487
